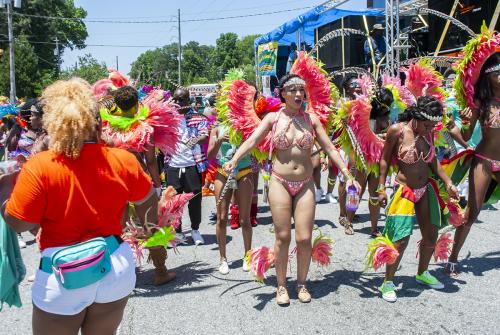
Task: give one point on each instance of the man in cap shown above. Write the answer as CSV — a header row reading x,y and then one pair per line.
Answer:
x,y
378,44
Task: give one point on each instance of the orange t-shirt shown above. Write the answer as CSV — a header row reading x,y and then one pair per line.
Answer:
x,y
76,200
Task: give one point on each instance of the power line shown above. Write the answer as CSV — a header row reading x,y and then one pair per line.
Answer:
x,y
159,21
95,45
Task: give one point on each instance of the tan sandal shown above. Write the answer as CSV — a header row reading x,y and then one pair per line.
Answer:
x,y
348,228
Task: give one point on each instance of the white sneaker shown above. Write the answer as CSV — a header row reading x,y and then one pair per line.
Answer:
x,y
246,266
319,194
180,238
331,199
20,241
223,267
197,238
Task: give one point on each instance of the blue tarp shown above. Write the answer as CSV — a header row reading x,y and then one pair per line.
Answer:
x,y
307,23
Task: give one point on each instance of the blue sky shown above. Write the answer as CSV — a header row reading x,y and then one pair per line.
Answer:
x,y
159,34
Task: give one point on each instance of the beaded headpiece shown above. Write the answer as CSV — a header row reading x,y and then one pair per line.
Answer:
x,y
493,68
294,81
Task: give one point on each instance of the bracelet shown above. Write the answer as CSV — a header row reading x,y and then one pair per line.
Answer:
x,y
380,188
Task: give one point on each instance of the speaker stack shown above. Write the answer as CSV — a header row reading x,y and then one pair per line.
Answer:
x,y
470,12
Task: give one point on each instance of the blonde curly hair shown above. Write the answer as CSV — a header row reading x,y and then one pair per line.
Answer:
x,y
70,111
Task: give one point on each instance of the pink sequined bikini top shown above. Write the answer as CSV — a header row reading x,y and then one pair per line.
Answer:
x,y
493,121
410,155
305,142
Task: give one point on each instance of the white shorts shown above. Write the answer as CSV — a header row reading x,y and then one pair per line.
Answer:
x,y
49,295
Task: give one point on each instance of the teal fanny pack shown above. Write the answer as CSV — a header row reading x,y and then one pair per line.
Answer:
x,y
81,264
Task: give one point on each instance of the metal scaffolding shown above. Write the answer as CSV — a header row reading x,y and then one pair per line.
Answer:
x,y
392,35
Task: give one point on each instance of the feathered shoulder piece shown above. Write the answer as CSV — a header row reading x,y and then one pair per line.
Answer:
x,y
352,123
236,110
155,123
402,96
475,54
322,94
367,85
422,79
115,80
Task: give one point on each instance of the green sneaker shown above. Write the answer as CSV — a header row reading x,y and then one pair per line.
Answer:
x,y
388,291
427,279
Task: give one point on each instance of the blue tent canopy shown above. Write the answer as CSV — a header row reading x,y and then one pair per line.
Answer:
x,y
307,23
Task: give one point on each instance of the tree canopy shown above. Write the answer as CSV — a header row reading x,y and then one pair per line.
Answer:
x,y
87,68
36,42
200,63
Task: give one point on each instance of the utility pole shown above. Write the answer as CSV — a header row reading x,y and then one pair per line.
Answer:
x,y
11,54
179,46
56,53
117,63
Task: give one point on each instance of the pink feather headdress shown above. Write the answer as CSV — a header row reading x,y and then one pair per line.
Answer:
x,y
115,80
422,79
322,94
475,54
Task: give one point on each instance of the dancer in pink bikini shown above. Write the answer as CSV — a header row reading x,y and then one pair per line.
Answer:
x,y
478,88
291,189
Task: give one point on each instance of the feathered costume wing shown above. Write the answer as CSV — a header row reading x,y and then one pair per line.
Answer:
x,y
235,106
155,123
475,54
352,122
322,95
422,79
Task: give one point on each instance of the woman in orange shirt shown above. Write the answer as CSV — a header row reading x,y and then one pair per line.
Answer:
x,y
60,190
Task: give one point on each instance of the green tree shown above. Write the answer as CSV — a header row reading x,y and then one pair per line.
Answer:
x,y
196,61
157,66
88,68
226,55
42,33
245,49
27,72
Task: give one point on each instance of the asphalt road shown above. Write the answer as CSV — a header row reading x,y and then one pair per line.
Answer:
x,y
345,298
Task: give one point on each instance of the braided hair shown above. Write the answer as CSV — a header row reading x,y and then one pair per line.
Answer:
x,y
425,107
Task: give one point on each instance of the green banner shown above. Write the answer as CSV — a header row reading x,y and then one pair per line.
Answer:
x,y
267,55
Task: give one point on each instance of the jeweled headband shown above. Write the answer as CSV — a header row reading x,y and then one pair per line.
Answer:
x,y
436,118
294,81
493,68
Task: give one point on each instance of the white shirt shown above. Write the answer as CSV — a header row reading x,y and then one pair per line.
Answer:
x,y
183,156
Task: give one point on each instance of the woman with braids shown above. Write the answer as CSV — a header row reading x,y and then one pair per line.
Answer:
x,y
411,142
478,92
291,188
77,193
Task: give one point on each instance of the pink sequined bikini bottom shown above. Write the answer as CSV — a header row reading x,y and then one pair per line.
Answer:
x,y
495,165
293,187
